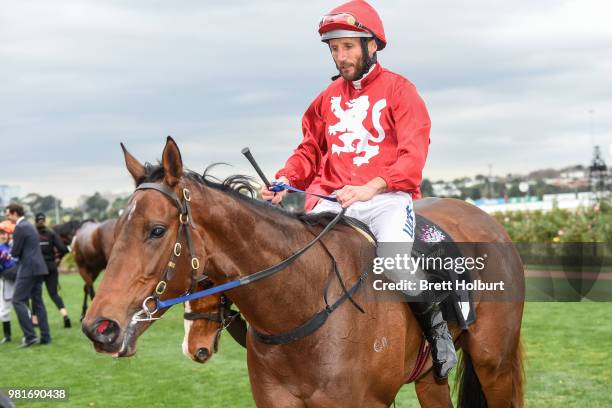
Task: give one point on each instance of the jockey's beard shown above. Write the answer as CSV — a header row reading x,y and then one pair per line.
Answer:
x,y
357,68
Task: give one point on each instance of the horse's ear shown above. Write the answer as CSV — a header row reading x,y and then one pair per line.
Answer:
x,y
172,162
136,169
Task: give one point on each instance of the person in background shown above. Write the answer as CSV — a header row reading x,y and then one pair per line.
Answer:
x,y
30,272
8,273
53,250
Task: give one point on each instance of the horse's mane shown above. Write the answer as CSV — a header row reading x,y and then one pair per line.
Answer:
x,y
239,186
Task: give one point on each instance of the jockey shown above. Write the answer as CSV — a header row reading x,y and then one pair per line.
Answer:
x,y
366,139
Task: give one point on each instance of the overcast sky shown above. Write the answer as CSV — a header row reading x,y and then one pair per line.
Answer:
x,y
507,83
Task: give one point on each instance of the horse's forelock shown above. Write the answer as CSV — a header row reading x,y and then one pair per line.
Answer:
x,y
154,173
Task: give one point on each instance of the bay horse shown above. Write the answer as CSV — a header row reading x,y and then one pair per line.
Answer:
x,y
67,230
91,248
355,359
204,320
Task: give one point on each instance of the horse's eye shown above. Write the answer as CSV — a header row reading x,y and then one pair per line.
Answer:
x,y
157,232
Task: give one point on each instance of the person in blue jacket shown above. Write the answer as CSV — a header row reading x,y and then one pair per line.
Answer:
x,y
8,273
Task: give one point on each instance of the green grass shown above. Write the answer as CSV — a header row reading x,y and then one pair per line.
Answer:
x,y
567,345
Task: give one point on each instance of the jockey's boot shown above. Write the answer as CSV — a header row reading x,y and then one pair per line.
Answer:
x,y
443,354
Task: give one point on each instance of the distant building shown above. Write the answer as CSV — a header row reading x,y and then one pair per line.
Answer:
x,y
574,177
471,183
445,190
568,201
574,172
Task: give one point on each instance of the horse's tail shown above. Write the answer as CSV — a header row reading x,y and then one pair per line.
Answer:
x,y
518,376
470,391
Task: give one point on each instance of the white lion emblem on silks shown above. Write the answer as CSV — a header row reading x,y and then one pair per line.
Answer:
x,y
356,138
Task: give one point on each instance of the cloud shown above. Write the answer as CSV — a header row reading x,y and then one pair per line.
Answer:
x,y
507,84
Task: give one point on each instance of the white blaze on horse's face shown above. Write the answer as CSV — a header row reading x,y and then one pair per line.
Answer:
x,y
132,209
188,324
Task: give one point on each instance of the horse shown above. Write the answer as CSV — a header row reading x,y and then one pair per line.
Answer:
x,y
353,359
67,230
204,320
91,248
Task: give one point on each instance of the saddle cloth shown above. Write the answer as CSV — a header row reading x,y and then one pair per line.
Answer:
x,y
430,241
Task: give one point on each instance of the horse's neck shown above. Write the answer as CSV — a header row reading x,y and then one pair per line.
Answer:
x,y
242,239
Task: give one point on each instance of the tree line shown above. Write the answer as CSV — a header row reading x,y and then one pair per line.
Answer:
x,y
94,207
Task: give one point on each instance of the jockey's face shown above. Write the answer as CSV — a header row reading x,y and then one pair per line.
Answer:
x,y
348,56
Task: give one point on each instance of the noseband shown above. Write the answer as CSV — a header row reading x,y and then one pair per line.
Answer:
x,y
223,316
226,317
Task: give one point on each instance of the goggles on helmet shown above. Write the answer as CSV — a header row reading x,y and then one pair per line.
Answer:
x,y
344,23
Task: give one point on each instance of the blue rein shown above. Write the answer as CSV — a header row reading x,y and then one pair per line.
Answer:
x,y
278,187
162,304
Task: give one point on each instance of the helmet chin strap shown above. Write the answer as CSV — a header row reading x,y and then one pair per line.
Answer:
x,y
366,59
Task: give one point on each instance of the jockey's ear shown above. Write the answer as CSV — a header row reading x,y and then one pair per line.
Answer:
x,y
136,169
172,163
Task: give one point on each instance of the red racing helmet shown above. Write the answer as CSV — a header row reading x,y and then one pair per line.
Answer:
x,y
357,18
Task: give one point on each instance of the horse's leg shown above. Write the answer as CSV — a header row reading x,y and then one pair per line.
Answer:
x,y
266,389
493,353
431,394
275,397
86,289
85,295
268,393
272,394
94,276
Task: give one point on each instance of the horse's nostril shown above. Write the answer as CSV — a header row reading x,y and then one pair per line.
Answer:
x,y
102,326
202,354
105,331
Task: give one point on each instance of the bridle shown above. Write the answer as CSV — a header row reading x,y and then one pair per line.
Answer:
x,y
185,225
224,316
186,222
